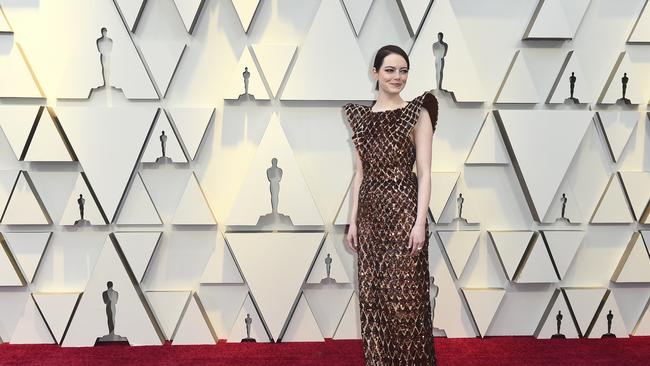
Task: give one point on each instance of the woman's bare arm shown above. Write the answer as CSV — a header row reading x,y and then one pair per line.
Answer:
x,y
356,185
423,132
352,237
423,144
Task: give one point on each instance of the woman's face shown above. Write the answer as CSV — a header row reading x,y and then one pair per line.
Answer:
x,y
392,74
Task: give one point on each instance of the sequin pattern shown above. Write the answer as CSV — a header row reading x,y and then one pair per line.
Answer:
x,y
395,308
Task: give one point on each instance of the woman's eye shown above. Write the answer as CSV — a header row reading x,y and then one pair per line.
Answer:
x,y
404,71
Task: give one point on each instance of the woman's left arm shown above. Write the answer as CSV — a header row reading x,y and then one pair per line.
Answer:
x,y
423,131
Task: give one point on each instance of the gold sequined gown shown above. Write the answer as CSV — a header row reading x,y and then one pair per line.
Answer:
x,y
396,323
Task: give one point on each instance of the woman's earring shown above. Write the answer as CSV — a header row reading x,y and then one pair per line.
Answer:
x,y
377,85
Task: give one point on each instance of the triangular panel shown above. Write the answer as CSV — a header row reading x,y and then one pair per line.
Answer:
x,y
531,75
274,60
193,209
302,326
108,142
449,309
16,122
168,307
328,257
557,19
630,68
274,266
254,199
413,12
309,80
559,313
138,247
13,305
191,124
138,209
76,76
641,31
54,189
72,211
223,303
537,267
636,187
442,186
236,86
193,327
46,143
189,11
8,273
612,207
180,260
7,182
488,147
357,11
166,187
132,318
634,265
25,207
518,86
618,127
16,76
541,168
584,304
584,90
246,10
28,249
221,267
163,58
257,330
131,11
510,247
343,215
31,328
484,304
328,304
609,320
173,149
350,325
460,75
563,246
57,310
459,245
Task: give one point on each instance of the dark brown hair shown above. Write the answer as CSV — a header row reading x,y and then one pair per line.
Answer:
x,y
385,51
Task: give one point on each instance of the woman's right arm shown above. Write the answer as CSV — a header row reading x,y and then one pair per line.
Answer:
x,y
352,238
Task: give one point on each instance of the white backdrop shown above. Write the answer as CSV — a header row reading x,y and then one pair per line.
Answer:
x,y
181,242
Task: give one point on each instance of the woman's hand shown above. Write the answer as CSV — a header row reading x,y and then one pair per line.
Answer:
x,y
352,239
417,238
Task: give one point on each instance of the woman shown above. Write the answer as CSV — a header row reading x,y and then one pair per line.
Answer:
x,y
389,225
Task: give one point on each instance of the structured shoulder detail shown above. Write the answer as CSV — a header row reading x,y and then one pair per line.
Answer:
x,y
354,114
354,111
426,101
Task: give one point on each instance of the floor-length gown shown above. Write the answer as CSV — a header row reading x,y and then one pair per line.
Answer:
x,y
395,307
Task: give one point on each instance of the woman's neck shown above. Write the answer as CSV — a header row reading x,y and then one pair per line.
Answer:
x,y
386,101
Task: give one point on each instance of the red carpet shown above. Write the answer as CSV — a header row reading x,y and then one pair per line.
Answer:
x,y
465,352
